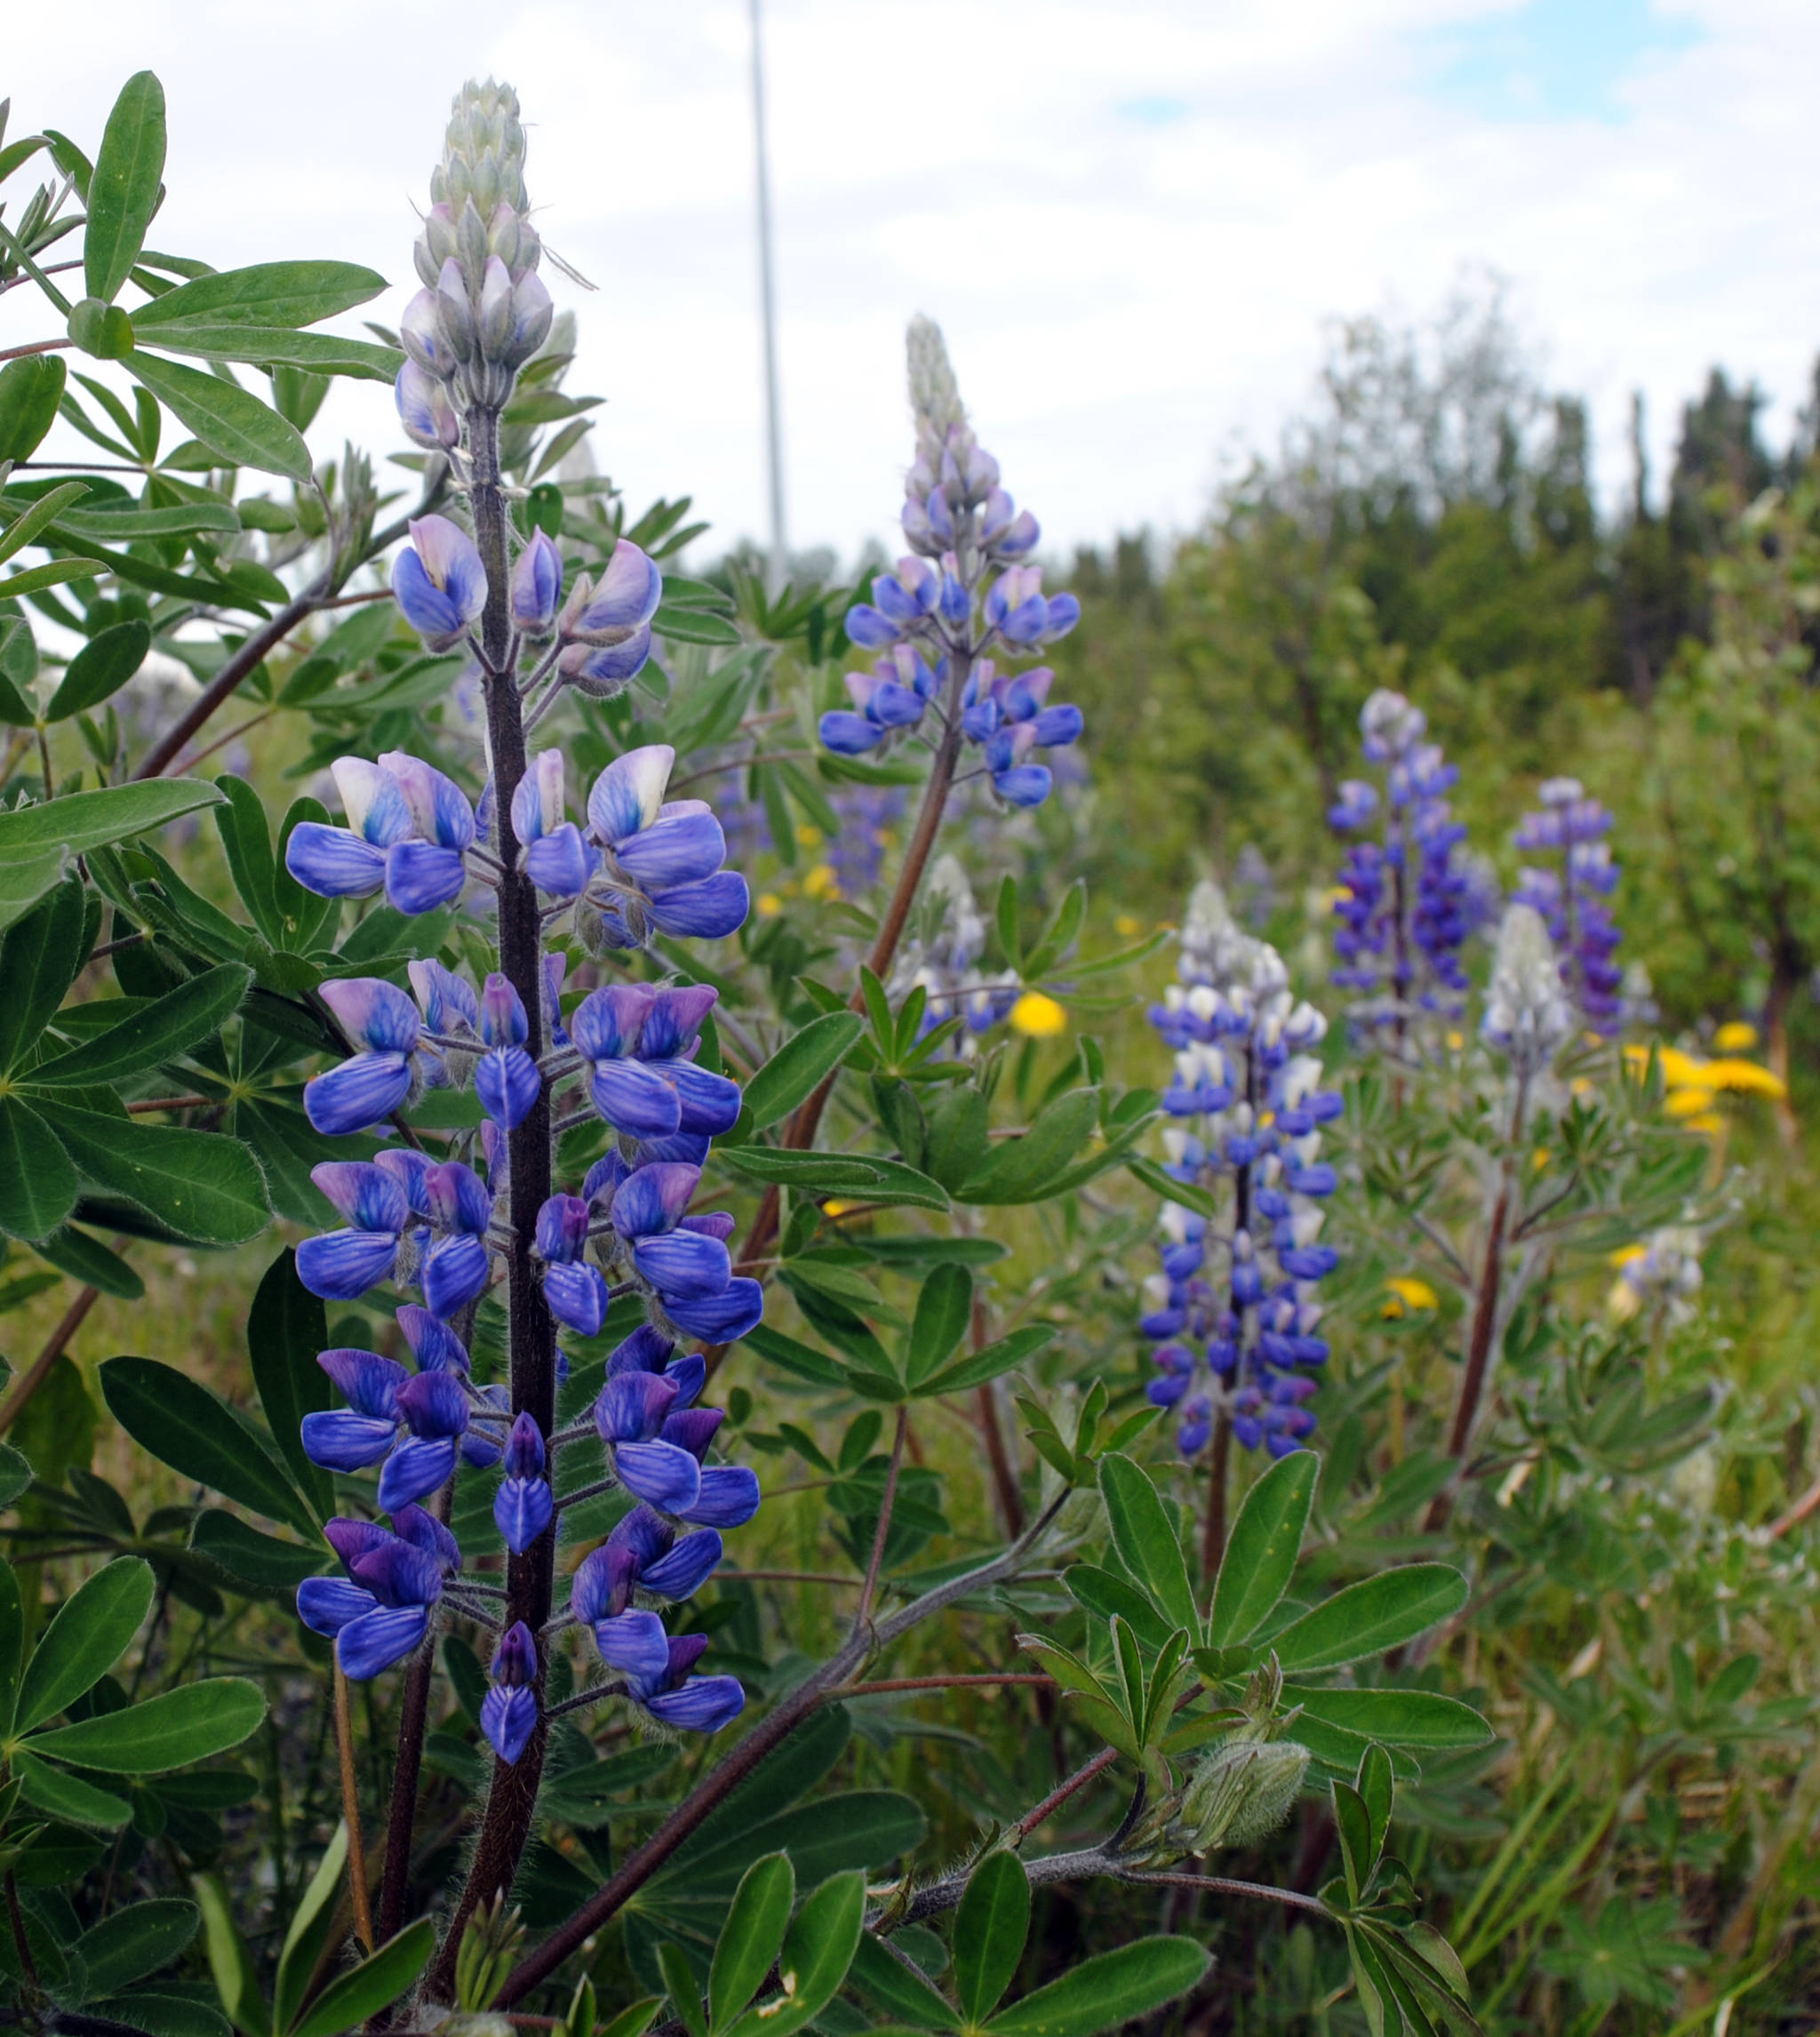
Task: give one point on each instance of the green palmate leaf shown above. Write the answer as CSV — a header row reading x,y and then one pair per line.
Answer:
x,y
34,579
15,1474
1261,1552
89,820
1101,1994
856,1176
1027,1168
751,1937
874,1826
943,1309
26,875
182,1423
1397,1718
168,1731
1366,1618
101,668
93,1629
136,1941
797,1069
1185,1193
308,1931
113,525
65,1797
200,1184
30,390
274,347
248,843
683,1988
261,1562
815,1958
990,1927
1147,1542
125,186
986,1365
803,1360
268,293
101,329
230,1959
375,1983
285,1329
893,1985
238,426
42,513
194,1012
37,1178
39,960
90,1261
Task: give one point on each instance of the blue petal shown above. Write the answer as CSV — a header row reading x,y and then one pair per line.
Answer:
x,y
684,1264
847,734
722,1318
333,862
677,850
428,609
379,1638
523,1508
634,1642
635,1099
327,1604
1059,725
703,1704
658,1471
341,1265
420,876
507,1085
704,911
680,1572
562,861
363,1091
454,1274
342,1441
508,1718
418,1467
689,1375
1023,784
870,630
578,1297
728,1496
710,1104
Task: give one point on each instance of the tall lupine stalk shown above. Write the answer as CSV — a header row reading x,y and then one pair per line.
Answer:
x,y
1236,1358
1574,898
1526,1020
960,606
449,1230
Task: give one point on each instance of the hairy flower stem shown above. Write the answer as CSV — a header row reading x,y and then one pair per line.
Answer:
x,y
799,1134
1213,1529
770,1733
350,1810
413,1716
868,1590
528,1577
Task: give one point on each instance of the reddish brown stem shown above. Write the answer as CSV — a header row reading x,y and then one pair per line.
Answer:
x,y
350,1810
1004,1476
1478,1352
885,1685
868,1590
1060,1795
1213,1529
53,1350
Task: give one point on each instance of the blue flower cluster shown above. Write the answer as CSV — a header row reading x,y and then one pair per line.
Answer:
x,y
1575,898
1407,899
628,1054
936,625
942,960
1247,1098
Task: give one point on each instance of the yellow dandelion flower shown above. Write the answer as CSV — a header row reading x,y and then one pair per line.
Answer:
x,y
1747,1077
821,883
1627,1255
1538,1159
1037,1016
1125,924
770,905
1709,1122
835,1207
810,837
1623,1301
1688,1103
1455,1041
1405,1294
1736,1036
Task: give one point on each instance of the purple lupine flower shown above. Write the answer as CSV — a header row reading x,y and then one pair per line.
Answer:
x,y
677,1697
429,867
640,1041
525,1505
341,1265
1574,898
1247,1081
508,1711
439,582
451,1009
537,586
606,625
424,409
557,857
505,1078
350,862
576,1291
457,1267
380,1612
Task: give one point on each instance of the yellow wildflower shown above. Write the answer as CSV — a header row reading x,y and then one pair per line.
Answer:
x,y
1688,1103
1126,925
821,883
1746,1076
810,837
1037,1016
1405,1294
1736,1036
770,905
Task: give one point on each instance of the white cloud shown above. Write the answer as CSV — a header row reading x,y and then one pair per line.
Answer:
x,y
1131,218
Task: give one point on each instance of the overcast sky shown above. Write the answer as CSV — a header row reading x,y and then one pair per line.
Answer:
x,y
1132,217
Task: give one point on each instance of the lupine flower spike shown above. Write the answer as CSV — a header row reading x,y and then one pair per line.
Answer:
x,y
1574,897
633,865
960,610
1233,1314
